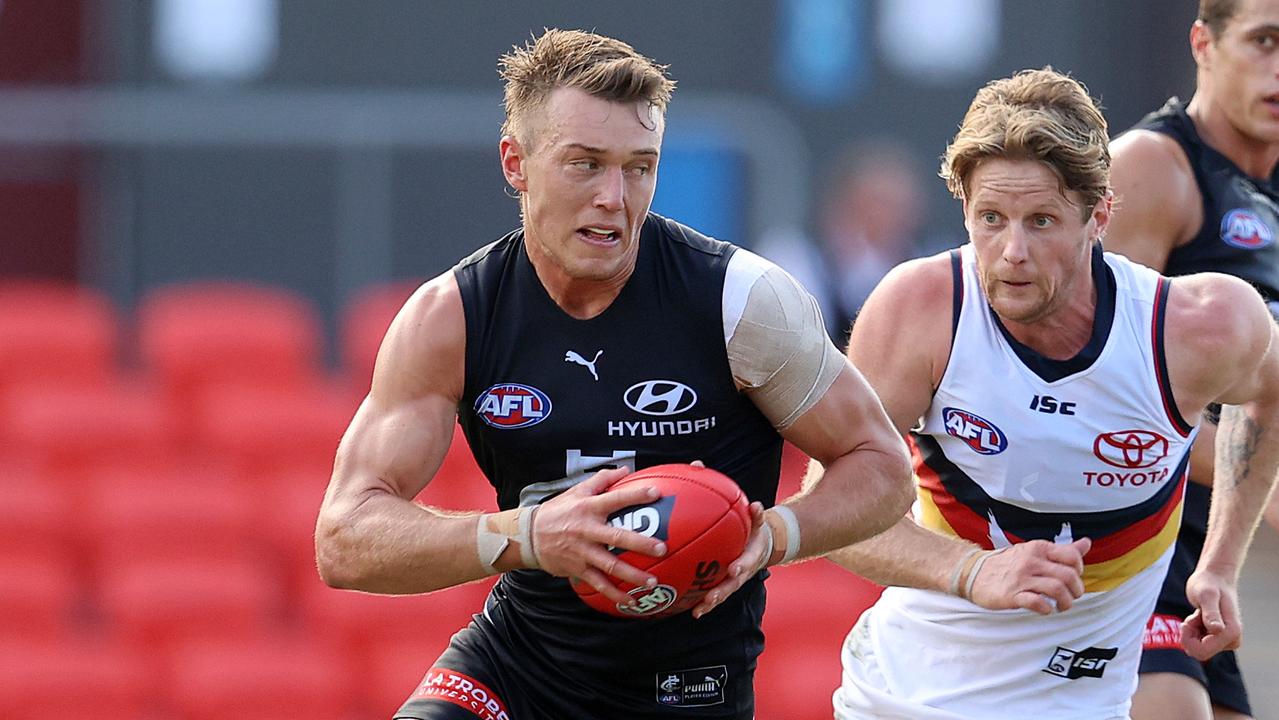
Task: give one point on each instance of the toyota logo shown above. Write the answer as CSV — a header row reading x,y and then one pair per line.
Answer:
x,y
1130,449
660,397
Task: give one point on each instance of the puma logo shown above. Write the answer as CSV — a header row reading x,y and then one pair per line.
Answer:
x,y
573,357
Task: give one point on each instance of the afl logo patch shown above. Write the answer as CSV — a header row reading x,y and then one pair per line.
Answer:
x,y
1242,228
507,406
979,433
1130,449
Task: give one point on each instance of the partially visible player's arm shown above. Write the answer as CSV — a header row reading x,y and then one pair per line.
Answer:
x,y
1157,201
371,536
901,343
1221,346
782,358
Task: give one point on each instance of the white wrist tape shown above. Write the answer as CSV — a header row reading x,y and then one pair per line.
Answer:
x,y
791,524
528,553
496,531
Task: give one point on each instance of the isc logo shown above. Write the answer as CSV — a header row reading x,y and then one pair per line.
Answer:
x,y
979,433
509,405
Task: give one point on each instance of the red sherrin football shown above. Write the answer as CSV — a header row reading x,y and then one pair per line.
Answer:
x,y
705,521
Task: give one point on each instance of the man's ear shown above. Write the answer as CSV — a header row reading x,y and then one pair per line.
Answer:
x,y
1201,39
513,157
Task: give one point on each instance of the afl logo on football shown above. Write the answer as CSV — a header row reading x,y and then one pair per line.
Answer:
x,y
660,397
649,601
1242,228
507,406
1130,449
979,433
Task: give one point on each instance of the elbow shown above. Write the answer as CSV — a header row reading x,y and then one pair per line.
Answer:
x,y
335,555
899,494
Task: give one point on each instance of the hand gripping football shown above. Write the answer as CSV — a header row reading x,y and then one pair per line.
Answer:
x,y
704,519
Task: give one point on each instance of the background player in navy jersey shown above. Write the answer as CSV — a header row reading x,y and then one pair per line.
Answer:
x,y
1045,387
1195,191
597,339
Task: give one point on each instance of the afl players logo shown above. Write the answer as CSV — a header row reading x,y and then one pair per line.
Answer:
x,y
979,433
1242,228
660,397
508,406
1130,449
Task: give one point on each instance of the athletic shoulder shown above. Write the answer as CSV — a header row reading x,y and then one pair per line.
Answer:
x,y
424,350
916,289
1157,200
1217,328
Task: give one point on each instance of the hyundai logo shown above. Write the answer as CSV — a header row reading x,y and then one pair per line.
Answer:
x,y
660,397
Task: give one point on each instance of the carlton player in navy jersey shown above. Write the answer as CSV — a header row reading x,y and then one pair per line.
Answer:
x,y
1195,192
595,340
1049,391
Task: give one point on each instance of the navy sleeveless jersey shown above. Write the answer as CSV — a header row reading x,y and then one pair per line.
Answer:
x,y
1240,213
1237,237
550,399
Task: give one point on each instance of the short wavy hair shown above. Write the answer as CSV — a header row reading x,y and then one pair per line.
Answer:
x,y
1034,115
601,66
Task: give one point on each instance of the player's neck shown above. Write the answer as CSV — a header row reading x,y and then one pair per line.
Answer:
x,y
1254,157
579,298
1065,330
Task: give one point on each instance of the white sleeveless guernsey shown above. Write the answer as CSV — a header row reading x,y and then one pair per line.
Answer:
x,y
1016,447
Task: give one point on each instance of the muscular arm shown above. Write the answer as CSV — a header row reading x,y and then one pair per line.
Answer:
x,y
1157,201
1221,346
900,342
371,536
783,360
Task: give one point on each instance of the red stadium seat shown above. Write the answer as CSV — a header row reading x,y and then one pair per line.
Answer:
x,y
288,505
811,607
38,512
394,668
156,603
74,428
265,678
364,323
360,620
173,515
198,335
265,430
56,333
40,595
79,678
459,484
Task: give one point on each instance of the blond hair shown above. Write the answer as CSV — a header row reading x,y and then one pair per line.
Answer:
x,y
1034,115
600,66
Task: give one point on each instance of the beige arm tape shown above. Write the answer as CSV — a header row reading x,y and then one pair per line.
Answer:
x,y
790,542
778,349
496,531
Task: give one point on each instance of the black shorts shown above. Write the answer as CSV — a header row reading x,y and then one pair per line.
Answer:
x,y
479,676
1161,647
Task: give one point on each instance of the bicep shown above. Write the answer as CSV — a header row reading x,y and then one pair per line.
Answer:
x,y
401,432
893,347
848,416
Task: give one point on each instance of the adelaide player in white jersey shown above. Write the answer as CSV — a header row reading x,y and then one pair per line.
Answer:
x,y
1044,387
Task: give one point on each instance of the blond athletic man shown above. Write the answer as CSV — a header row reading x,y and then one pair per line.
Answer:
x,y
1195,190
596,339
1044,387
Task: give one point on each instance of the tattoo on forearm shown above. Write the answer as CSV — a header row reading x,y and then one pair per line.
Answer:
x,y
1242,436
